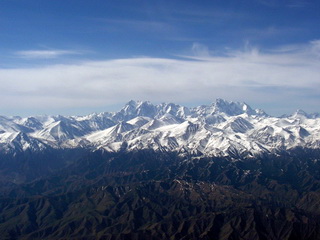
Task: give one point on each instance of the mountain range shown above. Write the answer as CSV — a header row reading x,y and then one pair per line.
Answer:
x,y
223,128
223,171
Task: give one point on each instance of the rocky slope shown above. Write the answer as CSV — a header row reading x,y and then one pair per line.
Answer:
x,y
223,171
157,195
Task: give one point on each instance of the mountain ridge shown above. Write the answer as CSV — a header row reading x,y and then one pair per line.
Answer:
x,y
222,171
219,129
161,195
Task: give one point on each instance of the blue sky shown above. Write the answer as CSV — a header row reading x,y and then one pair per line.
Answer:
x,y
76,56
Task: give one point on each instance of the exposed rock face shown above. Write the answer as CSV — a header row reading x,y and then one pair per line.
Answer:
x,y
223,171
162,195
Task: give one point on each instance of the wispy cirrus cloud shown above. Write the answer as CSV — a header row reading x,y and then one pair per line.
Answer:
x,y
44,54
298,4
135,25
278,81
200,50
289,4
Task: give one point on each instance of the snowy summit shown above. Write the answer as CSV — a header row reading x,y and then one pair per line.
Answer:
x,y
223,128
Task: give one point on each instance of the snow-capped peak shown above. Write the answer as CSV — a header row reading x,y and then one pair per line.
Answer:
x,y
222,128
232,108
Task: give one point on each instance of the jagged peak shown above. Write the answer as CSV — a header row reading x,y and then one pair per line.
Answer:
x,y
137,103
173,109
132,103
232,108
300,114
144,124
260,112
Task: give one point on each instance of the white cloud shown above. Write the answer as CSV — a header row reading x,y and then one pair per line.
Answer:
x,y
200,50
118,25
39,54
315,47
274,81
